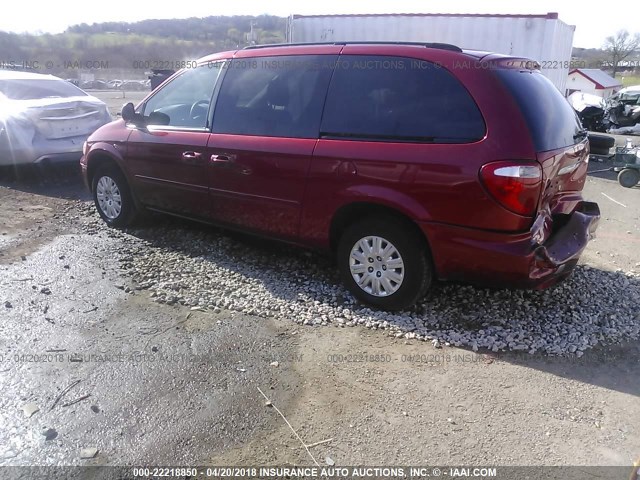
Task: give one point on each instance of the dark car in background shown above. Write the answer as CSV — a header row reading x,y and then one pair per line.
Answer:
x,y
157,76
409,162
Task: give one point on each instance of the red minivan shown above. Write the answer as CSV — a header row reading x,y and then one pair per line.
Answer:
x,y
410,162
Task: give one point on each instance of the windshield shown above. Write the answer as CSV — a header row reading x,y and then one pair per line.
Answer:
x,y
33,89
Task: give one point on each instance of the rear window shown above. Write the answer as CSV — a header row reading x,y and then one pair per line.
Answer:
x,y
32,89
552,121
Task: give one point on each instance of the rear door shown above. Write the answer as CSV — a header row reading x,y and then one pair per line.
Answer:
x,y
265,128
397,131
170,157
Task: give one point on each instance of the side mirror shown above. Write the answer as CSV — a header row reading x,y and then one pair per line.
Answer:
x,y
129,115
128,112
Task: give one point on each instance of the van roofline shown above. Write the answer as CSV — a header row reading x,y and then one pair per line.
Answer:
x,y
479,55
441,46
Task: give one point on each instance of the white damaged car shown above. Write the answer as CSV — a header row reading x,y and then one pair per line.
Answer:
x,y
44,118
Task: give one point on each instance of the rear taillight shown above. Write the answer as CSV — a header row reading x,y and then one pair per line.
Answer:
x,y
515,185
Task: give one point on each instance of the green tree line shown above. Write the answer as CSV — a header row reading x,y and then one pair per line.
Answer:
x,y
135,46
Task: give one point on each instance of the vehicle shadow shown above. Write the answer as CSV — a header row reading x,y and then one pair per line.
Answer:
x,y
614,367
51,180
450,310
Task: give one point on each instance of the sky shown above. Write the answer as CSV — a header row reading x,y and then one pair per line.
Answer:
x,y
594,22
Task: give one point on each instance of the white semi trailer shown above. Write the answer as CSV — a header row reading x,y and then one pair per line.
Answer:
x,y
544,38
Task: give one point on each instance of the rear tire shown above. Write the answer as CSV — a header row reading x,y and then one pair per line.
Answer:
x,y
599,151
629,177
112,197
601,141
385,263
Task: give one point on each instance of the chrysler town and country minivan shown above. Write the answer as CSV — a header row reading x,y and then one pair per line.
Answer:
x,y
409,162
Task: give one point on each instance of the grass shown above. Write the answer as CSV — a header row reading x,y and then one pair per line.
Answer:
x,y
628,80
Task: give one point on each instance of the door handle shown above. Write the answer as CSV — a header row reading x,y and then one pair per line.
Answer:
x,y
220,159
191,156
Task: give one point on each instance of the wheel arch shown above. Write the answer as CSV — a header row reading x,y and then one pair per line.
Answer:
x,y
352,212
104,154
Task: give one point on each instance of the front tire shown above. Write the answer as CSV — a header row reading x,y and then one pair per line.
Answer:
x,y
112,197
385,263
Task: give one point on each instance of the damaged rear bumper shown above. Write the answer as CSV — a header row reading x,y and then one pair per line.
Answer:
x,y
560,253
524,260
54,151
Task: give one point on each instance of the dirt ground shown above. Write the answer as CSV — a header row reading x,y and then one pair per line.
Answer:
x,y
111,370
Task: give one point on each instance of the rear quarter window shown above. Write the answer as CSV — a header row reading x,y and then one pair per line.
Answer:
x,y
551,120
399,99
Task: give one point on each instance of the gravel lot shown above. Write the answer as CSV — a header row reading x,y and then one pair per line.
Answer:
x,y
460,379
191,265
199,267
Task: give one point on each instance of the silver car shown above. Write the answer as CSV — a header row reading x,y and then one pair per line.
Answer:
x,y
45,118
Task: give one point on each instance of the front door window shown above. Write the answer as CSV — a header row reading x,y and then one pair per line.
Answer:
x,y
184,102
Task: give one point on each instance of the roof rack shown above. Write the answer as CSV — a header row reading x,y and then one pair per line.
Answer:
x,y
441,46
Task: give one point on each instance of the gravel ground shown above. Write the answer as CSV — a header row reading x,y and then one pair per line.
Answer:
x,y
195,266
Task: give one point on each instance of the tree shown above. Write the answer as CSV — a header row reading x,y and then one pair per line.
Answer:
x,y
620,46
235,35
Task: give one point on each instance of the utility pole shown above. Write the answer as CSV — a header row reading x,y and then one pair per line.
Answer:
x,y
251,37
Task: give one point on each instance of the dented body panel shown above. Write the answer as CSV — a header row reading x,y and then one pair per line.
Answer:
x,y
44,118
